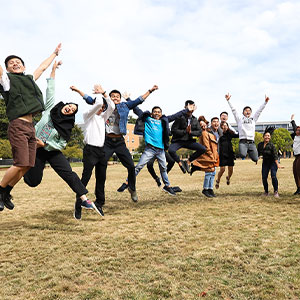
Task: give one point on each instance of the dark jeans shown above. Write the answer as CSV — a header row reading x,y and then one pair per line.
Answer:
x,y
118,146
296,170
266,167
200,149
170,165
95,157
60,165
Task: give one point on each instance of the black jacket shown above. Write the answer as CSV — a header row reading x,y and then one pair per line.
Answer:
x,y
225,145
139,127
179,129
269,152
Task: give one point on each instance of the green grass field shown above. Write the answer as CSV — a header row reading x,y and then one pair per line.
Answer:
x,y
239,245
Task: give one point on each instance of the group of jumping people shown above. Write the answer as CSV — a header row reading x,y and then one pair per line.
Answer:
x,y
105,125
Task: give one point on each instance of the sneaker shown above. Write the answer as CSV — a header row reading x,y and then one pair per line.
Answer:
x,y
206,193
297,192
98,208
276,195
176,189
169,190
133,194
265,194
158,182
211,191
122,188
78,209
87,204
1,203
182,168
7,202
186,166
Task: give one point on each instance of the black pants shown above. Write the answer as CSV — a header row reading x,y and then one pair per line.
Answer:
x,y
94,157
200,149
170,165
60,165
118,146
266,168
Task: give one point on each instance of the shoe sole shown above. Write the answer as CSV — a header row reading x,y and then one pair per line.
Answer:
x,y
168,192
75,217
96,209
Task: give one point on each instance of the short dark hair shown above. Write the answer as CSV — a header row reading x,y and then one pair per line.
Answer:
x,y
115,92
214,118
8,58
246,108
187,102
223,112
156,107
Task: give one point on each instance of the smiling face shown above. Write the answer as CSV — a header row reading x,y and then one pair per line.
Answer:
x,y
224,126
203,125
115,97
224,117
267,137
215,124
69,109
247,112
15,65
156,113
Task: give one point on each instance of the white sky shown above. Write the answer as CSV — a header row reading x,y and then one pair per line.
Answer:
x,y
191,49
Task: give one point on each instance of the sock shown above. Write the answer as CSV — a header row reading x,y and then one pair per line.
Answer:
x,y
2,189
8,189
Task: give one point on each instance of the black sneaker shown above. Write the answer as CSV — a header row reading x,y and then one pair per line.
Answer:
x,y
1,202
176,189
206,193
133,195
78,209
98,208
182,168
186,166
297,192
169,190
211,191
122,188
7,201
158,182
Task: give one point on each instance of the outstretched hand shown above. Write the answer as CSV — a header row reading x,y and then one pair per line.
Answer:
x,y
267,98
98,89
154,88
191,107
57,49
227,97
56,65
292,117
126,95
74,88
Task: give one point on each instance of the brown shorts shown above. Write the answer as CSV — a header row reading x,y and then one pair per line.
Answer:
x,y
21,135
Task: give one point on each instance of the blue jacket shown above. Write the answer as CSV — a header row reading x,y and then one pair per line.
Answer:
x,y
139,127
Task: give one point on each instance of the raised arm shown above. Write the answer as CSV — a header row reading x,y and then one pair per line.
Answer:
x,y
235,114
46,63
293,123
88,99
1,71
54,67
154,88
259,111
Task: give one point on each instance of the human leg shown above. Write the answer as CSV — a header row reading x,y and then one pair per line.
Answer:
x,y
150,168
161,158
170,161
265,173
252,151
220,173
274,169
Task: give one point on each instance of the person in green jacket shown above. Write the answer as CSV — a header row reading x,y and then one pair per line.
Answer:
x,y
23,99
53,132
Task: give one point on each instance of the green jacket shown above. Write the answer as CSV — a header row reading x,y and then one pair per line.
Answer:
x,y
24,96
44,129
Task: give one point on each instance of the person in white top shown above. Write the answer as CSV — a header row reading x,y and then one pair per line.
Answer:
x,y
94,137
296,148
246,128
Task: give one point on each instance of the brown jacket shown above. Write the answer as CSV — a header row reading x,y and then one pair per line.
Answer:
x,y
210,159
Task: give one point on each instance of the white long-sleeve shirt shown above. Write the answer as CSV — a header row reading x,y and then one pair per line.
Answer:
x,y
94,125
296,145
246,126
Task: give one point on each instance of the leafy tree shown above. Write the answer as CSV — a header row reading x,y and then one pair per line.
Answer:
x,y
3,120
5,149
235,145
131,120
282,139
73,152
76,138
141,147
258,138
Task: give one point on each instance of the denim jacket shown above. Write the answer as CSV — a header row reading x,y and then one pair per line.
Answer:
x,y
123,110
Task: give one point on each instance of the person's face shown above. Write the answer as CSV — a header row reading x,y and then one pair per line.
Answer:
x,y
298,131
247,112
267,137
15,65
215,124
115,97
203,125
100,110
224,117
156,114
69,109
224,127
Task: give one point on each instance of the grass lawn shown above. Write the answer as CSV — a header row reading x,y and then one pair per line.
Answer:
x,y
239,245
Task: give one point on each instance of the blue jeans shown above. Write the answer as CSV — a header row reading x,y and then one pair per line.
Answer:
x,y
147,155
209,179
250,148
265,172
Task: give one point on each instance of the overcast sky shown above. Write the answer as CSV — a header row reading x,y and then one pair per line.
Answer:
x,y
191,49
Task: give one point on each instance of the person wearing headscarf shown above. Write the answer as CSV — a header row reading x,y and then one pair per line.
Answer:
x,y
53,132
268,151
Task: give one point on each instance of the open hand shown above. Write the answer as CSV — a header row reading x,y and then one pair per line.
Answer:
x,y
57,49
227,97
267,98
